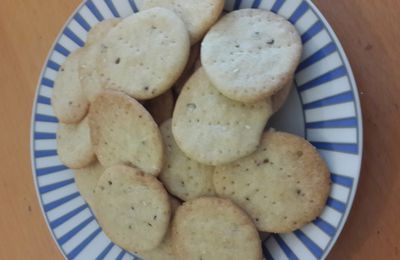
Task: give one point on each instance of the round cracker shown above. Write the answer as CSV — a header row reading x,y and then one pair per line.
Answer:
x,y
213,129
161,107
144,54
123,132
74,146
282,186
198,16
132,208
69,103
214,228
182,176
100,30
279,99
86,180
250,54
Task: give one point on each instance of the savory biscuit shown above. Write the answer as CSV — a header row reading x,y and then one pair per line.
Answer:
x,y
282,186
123,132
144,54
214,228
250,54
213,129
132,208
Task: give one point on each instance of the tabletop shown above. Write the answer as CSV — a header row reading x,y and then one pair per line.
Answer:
x,y
370,36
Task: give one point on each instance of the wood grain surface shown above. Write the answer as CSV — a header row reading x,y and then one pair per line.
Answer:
x,y
369,32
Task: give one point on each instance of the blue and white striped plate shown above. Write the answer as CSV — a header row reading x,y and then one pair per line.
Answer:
x,y
324,108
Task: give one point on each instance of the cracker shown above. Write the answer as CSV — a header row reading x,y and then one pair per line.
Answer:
x,y
161,107
123,132
212,129
165,251
250,54
132,208
144,54
182,176
214,228
279,99
282,186
86,180
198,16
190,68
100,30
69,103
74,146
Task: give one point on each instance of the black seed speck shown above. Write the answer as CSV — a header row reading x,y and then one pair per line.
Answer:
x,y
109,182
149,224
155,217
271,42
118,60
266,160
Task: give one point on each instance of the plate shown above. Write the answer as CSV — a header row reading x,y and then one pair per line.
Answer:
x,y
324,108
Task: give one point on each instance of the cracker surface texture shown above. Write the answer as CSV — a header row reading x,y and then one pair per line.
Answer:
x,y
123,132
214,228
249,54
132,208
144,54
213,129
282,186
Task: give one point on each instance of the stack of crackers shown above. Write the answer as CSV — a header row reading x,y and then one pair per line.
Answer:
x,y
163,114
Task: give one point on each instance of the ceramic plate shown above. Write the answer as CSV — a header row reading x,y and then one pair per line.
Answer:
x,y
324,108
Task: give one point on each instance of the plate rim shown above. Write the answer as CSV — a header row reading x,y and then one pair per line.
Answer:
x,y
357,104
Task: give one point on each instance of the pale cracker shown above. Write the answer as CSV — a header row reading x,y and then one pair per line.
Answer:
x,y
74,146
198,16
69,103
282,186
161,107
144,54
213,129
100,30
250,54
123,132
86,180
182,176
132,208
214,228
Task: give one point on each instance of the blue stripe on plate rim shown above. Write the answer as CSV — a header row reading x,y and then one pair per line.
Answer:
x,y
350,183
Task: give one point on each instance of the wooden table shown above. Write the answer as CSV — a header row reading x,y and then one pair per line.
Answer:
x,y
370,35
